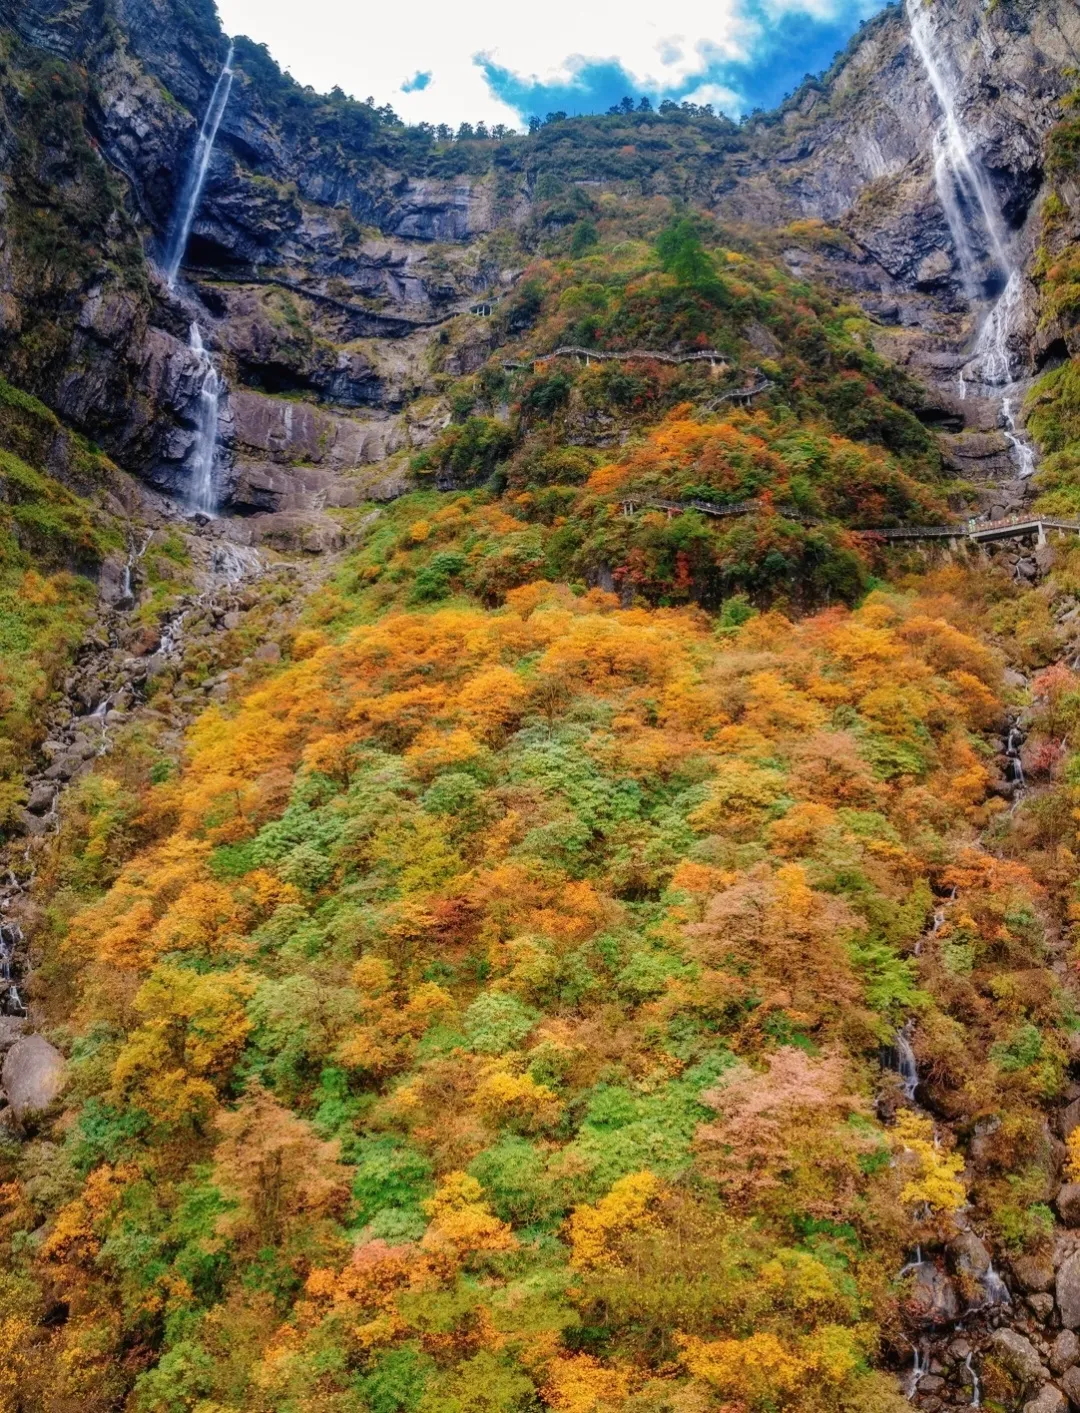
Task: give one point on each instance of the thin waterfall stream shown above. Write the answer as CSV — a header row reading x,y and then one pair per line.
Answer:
x,y
976,1386
187,206
202,495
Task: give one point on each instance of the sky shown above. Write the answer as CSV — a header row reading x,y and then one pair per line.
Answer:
x,y
454,61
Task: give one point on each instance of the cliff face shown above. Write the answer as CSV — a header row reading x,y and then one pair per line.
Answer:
x,y
330,253
860,153
355,250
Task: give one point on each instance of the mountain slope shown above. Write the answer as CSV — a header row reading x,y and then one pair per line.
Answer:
x,y
540,903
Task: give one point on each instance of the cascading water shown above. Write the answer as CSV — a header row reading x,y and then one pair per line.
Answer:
x,y
1015,769
202,496
11,1002
191,192
969,202
906,1064
962,183
976,1387
919,1369
135,555
995,1289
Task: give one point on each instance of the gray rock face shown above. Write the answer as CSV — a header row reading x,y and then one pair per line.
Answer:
x,y
1068,1292
1049,1400
1071,1384
1069,1118
310,532
1068,1204
11,1030
33,1075
1065,1352
868,165
1019,1356
932,1297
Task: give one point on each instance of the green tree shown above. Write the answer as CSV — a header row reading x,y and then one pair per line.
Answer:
x,y
683,255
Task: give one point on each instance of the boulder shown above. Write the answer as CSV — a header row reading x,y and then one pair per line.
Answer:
x,y
1065,1352
1068,1291
1071,1384
1068,1204
932,1297
1049,1400
33,1075
32,824
11,1030
1069,1118
970,1263
291,531
1034,1274
968,1256
143,640
1019,1356
41,798
112,580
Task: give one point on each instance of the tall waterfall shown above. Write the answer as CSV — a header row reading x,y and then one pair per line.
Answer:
x,y
202,496
962,183
969,202
191,192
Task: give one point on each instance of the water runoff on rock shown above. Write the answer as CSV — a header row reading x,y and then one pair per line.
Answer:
x,y
975,221
187,205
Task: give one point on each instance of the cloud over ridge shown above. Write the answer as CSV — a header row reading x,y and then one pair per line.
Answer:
x,y
497,62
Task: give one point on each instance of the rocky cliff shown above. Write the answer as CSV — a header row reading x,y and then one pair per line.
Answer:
x,y
333,251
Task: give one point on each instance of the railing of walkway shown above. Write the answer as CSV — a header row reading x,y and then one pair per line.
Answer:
x,y
963,530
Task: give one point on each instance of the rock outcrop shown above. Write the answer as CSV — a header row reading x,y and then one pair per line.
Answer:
x,y
33,1076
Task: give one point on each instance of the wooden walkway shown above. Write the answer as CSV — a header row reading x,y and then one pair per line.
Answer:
x,y
712,356
976,531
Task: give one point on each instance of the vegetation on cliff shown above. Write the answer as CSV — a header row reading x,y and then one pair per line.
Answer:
x,y
489,1015
494,1007
827,442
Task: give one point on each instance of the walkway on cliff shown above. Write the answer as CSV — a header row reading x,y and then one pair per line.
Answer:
x,y
978,531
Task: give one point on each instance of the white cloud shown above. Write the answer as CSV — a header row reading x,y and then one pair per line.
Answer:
x,y
376,49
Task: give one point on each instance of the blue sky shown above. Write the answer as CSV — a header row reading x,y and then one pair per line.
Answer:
x,y
497,61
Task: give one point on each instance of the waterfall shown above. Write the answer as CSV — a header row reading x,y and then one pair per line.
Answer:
x,y
919,1368
191,192
1023,452
1012,751
235,563
202,496
992,356
11,1002
968,199
976,1387
906,1064
997,1292
135,554
962,183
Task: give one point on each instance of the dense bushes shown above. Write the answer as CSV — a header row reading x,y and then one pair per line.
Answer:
x,y
493,1023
